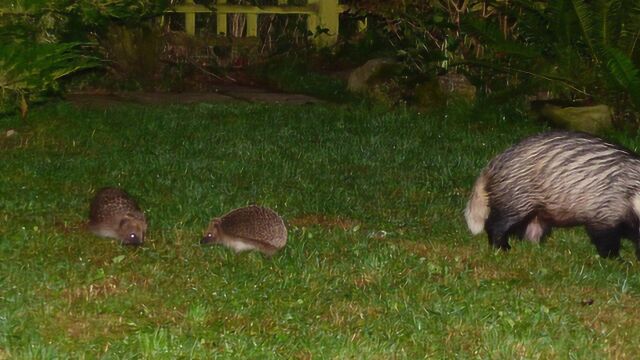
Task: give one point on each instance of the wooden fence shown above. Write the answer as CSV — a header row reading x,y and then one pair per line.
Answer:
x,y
323,14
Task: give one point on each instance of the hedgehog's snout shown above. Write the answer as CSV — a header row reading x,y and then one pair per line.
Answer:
x,y
207,239
133,239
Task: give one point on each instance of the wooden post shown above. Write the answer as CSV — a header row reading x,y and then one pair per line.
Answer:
x,y
190,20
326,17
312,19
323,14
221,20
252,25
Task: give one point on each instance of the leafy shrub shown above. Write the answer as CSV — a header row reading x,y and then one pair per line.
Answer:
x,y
296,76
571,47
28,72
61,38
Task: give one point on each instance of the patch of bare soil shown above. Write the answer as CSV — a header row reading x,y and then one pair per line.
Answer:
x,y
222,93
100,289
324,221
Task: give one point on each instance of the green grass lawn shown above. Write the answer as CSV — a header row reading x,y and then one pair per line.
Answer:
x,y
379,262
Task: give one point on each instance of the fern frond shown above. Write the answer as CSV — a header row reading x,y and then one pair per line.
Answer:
x,y
608,15
32,70
490,34
625,73
585,20
629,36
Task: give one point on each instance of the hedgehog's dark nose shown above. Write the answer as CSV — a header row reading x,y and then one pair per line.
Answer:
x,y
133,240
207,239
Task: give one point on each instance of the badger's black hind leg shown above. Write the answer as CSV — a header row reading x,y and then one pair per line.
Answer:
x,y
498,228
607,241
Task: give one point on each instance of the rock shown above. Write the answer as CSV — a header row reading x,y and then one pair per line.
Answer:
x,y
592,119
361,79
377,79
457,85
436,92
429,95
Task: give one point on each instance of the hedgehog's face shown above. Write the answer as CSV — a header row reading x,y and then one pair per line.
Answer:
x,y
211,236
131,231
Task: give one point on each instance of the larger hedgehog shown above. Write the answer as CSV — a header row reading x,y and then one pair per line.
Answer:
x,y
248,228
559,179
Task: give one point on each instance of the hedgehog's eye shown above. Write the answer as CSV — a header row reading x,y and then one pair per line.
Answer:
x,y
209,235
132,235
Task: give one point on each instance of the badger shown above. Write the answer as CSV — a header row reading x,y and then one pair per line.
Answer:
x,y
559,179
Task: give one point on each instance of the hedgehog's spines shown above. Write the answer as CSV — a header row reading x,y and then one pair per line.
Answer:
x,y
248,228
113,213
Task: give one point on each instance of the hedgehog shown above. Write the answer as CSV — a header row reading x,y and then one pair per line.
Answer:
x,y
559,179
248,228
114,214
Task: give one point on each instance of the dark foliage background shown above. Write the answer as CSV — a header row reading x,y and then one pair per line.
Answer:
x,y
568,49
565,49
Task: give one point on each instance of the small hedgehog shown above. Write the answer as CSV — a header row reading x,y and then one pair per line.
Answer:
x,y
248,228
115,214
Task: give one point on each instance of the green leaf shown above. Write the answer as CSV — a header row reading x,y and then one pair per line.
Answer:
x,y
35,69
625,73
608,14
585,20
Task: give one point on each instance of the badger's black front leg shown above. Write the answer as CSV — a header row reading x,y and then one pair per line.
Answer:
x,y
607,241
498,227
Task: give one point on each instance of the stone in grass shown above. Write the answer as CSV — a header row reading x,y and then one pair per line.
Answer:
x,y
591,119
429,95
377,79
362,78
457,85
248,228
437,92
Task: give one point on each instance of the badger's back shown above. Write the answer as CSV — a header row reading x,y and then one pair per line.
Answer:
x,y
570,178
